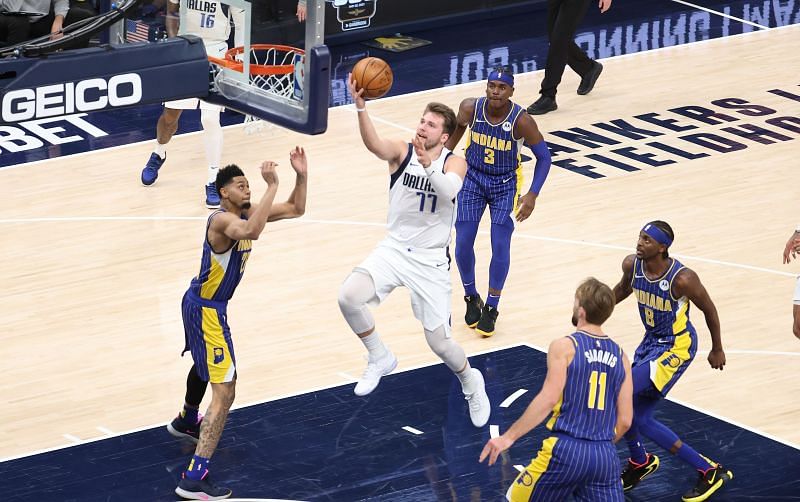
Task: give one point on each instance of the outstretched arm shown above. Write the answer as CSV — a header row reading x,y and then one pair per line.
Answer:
x,y
559,355
466,110
623,287
225,226
295,205
526,128
688,284
392,151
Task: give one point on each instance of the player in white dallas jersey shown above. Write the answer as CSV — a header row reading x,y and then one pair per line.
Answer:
x,y
424,180
212,21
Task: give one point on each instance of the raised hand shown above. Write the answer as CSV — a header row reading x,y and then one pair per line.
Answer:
x,y
268,172
297,158
356,93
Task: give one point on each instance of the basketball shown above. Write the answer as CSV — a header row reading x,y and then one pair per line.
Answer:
x,y
374,76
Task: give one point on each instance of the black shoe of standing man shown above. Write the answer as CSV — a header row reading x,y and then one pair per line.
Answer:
x,y
588,80
543,105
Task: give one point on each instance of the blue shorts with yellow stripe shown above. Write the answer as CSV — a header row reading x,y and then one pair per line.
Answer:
x,y
208,337
564,467
499,192
667,358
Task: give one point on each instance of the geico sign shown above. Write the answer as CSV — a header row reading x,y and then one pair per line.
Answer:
x,y
70,97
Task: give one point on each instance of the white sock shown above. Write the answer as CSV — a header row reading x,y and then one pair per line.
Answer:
x,y
161,150
467,380
212,174
375,346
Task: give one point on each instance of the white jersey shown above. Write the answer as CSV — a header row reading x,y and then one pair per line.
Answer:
x,y
211,21
418,217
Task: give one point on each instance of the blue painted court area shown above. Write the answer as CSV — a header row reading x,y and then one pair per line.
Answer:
x,y
330,445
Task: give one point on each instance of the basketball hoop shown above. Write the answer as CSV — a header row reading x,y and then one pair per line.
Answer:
x,y
275,69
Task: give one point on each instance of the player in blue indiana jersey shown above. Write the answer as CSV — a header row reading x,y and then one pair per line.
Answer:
x,y
588,389
226,249
498,130
663,288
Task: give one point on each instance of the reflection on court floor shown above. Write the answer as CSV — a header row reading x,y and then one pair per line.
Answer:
x,y
410,440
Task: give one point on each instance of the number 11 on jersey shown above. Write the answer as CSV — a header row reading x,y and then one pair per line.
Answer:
x,y
597,390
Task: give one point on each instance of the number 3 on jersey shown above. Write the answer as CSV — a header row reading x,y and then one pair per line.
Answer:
x,y
597,391
488,156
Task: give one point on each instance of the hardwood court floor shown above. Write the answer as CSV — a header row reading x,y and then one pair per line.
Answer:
x,y
96,264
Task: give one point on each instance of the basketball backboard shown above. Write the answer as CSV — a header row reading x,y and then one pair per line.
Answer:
x,y
276,66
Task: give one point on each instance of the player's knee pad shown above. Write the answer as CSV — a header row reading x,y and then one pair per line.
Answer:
x,y
446,348
354,294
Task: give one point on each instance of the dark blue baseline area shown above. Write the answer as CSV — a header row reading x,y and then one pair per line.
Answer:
x,y
330,445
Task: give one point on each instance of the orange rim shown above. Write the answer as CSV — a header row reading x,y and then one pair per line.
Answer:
x,y
231,63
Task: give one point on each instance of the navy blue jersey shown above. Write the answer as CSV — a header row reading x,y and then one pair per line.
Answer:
x,y
663,315
492,148
220,273
588,405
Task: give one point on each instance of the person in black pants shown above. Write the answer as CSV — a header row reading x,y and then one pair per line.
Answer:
x,y
563,17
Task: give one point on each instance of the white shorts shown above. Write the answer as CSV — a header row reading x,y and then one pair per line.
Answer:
x,y
217,50
425,272
796,299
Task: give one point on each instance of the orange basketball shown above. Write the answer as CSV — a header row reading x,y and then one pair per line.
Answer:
x,y
374,76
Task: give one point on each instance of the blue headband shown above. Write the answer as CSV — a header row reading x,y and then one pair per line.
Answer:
x,y
502,77
656,233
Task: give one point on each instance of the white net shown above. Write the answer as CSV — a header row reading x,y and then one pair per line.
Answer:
x,y
274,69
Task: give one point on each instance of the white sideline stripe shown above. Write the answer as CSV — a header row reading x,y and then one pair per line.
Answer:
x,y
105,430
723,418
375,224
234,126
494,431
74,439
513,397
412,430
759,352
722,14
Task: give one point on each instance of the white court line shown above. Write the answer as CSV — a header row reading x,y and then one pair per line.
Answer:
x,y
630,249
105,430
74,439
734,422
473,83
758,352
722,14
494,431
412,430
375,224
720,417
513,397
